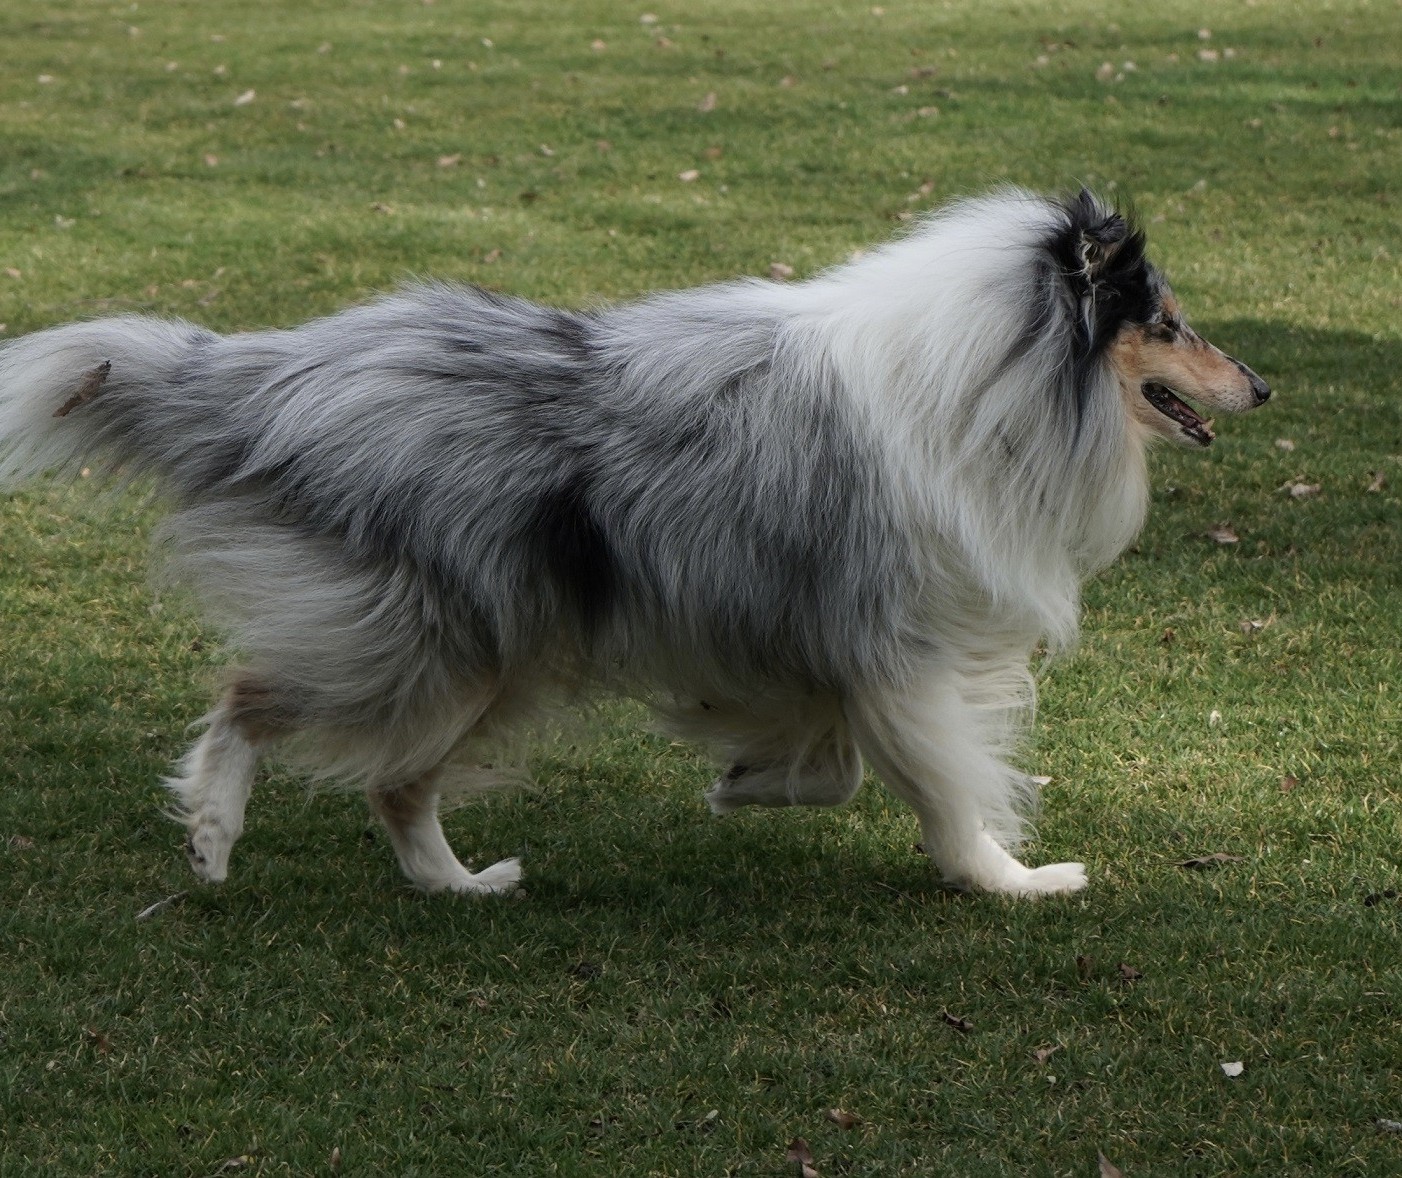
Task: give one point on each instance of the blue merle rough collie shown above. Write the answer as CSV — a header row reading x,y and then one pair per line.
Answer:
x,y
810,524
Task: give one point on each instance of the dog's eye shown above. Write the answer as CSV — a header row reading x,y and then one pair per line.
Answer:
x,y
1164,330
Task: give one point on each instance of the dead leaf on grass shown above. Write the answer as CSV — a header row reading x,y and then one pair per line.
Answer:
x,y
926,187
959,1024
1288,782
1378,482
1128,973
246,97
708,104
1084,966
843,1119
780,271
802,1158
1299,489
1207,862
1042,1054
1233,1068
1222,534
1108,1169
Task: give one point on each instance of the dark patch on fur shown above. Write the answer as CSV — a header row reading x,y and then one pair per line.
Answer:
x,y
1107,282
569,331
574,551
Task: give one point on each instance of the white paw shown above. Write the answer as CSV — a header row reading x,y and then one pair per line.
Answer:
x,y
985,866
1046,881
498,879
207,846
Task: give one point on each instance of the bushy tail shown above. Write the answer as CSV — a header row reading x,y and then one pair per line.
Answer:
x,y
104,393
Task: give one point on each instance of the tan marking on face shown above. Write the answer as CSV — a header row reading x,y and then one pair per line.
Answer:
x,y
1184,363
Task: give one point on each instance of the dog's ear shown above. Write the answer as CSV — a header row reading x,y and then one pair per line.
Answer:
x,y
1102,233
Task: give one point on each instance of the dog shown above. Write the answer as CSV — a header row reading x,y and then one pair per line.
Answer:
x,y
811,524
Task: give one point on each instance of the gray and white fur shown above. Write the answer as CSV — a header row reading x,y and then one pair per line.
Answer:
x,y
808,523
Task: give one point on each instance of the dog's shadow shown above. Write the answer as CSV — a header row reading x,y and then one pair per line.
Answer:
x,y
596,846
603,863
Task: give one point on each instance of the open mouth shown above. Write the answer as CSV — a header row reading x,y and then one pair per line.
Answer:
x,y
1179,412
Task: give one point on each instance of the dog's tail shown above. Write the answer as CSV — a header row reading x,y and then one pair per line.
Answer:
x,y
107,394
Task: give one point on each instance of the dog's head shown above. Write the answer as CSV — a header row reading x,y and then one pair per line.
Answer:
x,y
1129,318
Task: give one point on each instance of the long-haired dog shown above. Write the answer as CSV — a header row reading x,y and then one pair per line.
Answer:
x,y
808,523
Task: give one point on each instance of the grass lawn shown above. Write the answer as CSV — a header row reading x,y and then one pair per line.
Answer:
x,y
676,995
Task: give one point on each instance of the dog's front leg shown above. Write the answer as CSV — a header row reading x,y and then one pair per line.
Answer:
x,y
933,751
410,815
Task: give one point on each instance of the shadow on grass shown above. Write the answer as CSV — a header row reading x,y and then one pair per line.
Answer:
x,y
1288,354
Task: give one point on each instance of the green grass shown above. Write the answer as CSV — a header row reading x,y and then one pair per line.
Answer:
x,y
663,966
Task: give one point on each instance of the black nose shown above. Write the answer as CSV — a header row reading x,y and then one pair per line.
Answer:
x,y
1259,388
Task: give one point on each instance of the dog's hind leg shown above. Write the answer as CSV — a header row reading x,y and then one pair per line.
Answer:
x,y
795,751
410,815
823,775
215,777
932,752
